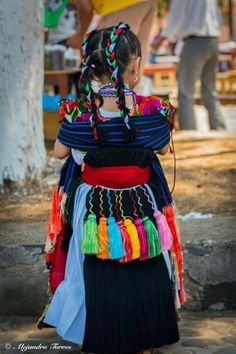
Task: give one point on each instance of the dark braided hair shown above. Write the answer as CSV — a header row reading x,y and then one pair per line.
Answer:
x,y
106,54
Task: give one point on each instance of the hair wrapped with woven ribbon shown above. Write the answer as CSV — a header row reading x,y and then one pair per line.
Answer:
x,y
106,54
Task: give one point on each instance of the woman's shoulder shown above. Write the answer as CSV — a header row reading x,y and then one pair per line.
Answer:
x,y
154,104
73,110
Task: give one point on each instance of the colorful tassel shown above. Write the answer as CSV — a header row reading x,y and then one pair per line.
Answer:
x,y
133,234
170,217
116,249
90,243
126,242
56,223
163,231
103,238
142,235
56,227
154,244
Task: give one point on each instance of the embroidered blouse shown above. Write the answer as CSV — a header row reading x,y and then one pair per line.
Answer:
x,y
76,110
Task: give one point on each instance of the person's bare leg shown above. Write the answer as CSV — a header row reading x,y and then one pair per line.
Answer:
x,y
144,30
139,17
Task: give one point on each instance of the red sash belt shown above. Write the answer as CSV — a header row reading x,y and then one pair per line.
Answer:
x,y
116,176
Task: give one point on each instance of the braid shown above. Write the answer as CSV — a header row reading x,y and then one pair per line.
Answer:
x,y
116,75
85,86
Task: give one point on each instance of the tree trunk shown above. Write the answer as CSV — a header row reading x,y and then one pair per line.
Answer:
x,y
22,147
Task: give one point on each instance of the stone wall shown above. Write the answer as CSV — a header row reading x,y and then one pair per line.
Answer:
x,y
209,256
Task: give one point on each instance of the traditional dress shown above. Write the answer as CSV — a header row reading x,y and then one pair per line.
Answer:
x,y
113,250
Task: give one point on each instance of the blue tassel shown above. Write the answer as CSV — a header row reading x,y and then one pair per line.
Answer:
x,y
116,249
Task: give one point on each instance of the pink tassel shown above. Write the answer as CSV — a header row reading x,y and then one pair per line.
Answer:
x,y
126,242
142,239
163,231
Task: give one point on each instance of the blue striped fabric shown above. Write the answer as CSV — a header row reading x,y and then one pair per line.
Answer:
x,y
154,133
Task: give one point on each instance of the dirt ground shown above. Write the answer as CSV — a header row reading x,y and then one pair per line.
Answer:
x,y
206,175
200,333
206,181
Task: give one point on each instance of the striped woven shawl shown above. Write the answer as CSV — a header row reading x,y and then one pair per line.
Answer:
x,y
153,133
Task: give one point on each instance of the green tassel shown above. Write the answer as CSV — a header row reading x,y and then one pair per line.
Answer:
x,y
90,244
154,244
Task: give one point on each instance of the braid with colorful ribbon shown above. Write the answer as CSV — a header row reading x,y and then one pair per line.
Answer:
x,y
116,75
86,78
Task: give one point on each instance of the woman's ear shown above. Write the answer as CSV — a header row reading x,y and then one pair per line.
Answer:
x,y
137,64
133,72
137,70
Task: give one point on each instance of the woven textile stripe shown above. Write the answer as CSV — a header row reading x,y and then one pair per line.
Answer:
x,y
154,133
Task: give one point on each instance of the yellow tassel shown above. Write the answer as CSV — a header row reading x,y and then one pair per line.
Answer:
x,y
132,231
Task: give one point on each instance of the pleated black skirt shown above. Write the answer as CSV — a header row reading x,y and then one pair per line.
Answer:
x,y
130,306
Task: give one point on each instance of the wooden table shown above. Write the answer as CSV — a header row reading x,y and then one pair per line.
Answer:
x,y
164,75
60,78
152,69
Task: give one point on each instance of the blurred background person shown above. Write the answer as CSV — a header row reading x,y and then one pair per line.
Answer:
x,y
60,19
139,14
197,24
64,26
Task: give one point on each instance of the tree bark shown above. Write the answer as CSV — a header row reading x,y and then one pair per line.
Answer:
x,y
22,147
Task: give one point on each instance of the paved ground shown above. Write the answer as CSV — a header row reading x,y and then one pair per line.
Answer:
x,y
201,332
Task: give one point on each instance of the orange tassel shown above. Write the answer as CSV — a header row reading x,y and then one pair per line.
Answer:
x,y
103,238
56,225
170,217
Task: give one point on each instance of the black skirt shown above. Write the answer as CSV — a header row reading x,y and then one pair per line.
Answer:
x,y
129,306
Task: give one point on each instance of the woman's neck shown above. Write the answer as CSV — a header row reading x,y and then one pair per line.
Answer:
x,y
109,103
